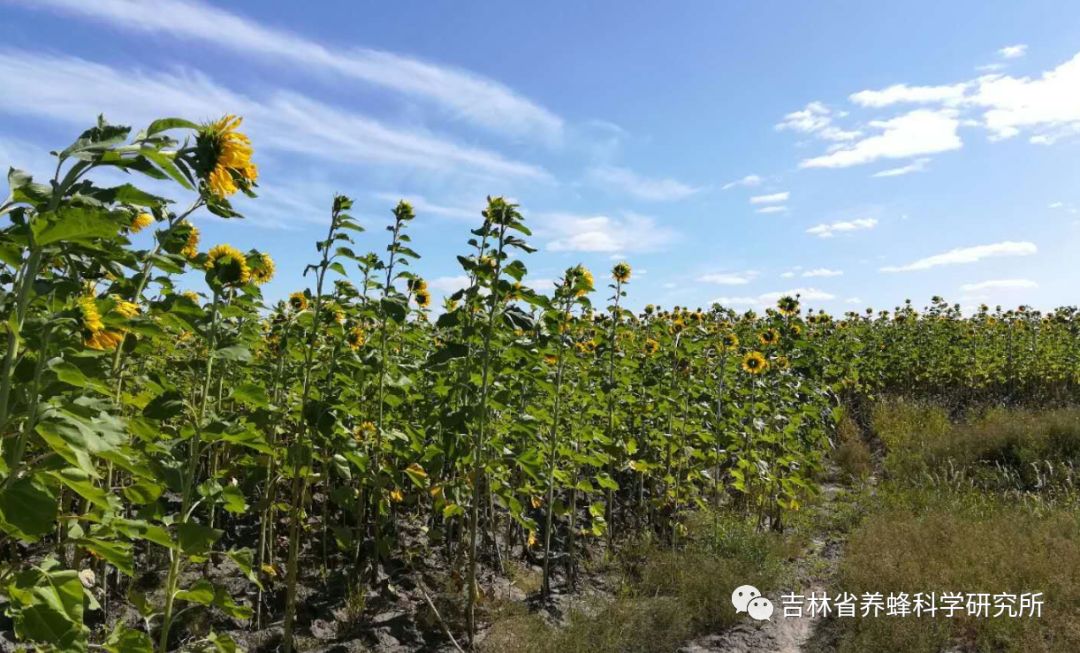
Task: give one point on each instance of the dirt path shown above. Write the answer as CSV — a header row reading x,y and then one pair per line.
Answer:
x,y
782,634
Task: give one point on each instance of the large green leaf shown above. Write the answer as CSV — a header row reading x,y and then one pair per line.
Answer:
x,y
47,607
73,224
28,508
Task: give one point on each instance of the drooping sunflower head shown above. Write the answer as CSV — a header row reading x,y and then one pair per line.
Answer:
x,y
621,272
649,309
192,295
125,308
651,346
782,362
416,284
583,282
103,340
356,338
423,298
729,341
298,301
228,265
788,305
141,221
228,154
754,363
182,239
91,317
769,337
262,268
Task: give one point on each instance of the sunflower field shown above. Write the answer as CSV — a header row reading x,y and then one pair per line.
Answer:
x,y
160,419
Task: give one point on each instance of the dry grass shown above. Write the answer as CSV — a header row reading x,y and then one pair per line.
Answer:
x,y
852,454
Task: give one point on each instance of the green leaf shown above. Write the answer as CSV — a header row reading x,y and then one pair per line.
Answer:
x,y
165,124
47,607
165,406
251,394
77,224
202,592
196,539
128,640
234,500
28,508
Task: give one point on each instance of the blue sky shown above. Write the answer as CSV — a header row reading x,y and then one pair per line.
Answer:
x,y
861,153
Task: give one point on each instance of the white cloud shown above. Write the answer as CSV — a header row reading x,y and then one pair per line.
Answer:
x,y
823,272
918,165
1050,103
747,181
922,131
772,209
774,198
631,183
904,94
967,255
1055,205
770,298
449,285
787,275
599,233
466,95
999,284
73,90
816,119
1013,51
853,300
845,226
423,206
728,278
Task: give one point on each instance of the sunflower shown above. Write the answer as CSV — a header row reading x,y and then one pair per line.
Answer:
x,y
397,496
91,318
788,305
782,362
621,272
141,221
754,363
190,248
192,295
416,284
229,265
769,337
356,338
364,431
262,268
730,341
551,359
532,539
231,152
423,298
125,308
651,346
103,340
584,282
298,301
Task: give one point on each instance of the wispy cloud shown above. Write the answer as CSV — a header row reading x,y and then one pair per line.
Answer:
x,y
423,206
728,278
1013,51
772,209
904,94
774,198
770,298
918,132
747,181
999,284
627,181
466,95
1049,104
567,232
69,89
823,272
816,119
918,165
962,255
831,229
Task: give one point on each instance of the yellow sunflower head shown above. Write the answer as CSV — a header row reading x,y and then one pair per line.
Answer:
x,y
103,340
229,167
754,363
125,308
91,317
356,338
621,272
262,268
729,341
228,264
651,346
298,301
416,284
788,305
423,298
769,337
141,221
